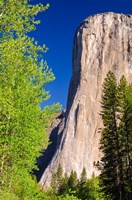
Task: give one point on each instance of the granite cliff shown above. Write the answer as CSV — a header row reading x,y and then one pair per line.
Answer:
x,y
102,42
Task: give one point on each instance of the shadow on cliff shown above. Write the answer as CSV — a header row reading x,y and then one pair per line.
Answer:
x,y
44,160
76,68
55,138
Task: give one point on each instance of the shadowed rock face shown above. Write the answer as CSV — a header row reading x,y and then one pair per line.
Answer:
x,y
56,131
103,42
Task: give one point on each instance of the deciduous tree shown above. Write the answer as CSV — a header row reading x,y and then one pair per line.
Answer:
x,y
23,77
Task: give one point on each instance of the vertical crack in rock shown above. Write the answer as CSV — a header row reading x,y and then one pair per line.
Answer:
x,y
76,119
102,42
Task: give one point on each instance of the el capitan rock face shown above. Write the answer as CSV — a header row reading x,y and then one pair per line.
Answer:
x,y
103,42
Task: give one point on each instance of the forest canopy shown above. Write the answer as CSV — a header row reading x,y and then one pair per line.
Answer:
x,y
23,77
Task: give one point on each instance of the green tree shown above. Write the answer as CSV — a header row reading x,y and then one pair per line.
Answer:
x,y
89,189
128,128
73,181
116,138
64,187
67,197
23,76
92,190
124,109
70,187
56,180
82,185
83,178
109,139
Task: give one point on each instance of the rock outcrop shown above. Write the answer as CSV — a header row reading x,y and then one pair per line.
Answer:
x,y
103,42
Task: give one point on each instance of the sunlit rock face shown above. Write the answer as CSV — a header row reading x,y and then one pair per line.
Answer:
x,y
102,42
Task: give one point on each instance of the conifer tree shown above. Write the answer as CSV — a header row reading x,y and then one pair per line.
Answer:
x,y
73,181
128,128
56,180
116,138
82,185
109,139
64,188
83,178
124,109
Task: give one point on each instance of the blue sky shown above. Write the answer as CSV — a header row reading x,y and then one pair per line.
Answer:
x,y
57,29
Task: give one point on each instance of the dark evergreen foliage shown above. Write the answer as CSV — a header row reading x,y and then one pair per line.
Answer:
x,y
83,189
82,185
56,180
116,139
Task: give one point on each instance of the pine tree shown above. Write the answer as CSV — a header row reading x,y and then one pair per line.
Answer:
x,y
56,180
124,99
64,188
83,177
73,181
116,138
82,185
128,128
59,175
109,139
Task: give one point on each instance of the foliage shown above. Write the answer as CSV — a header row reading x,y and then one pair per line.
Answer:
x,y
18,17
82,185
109,139
73,181
116,142
67,197
64,187
93,190
124,110
56,180
6,195
23,77
83,189
48,195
